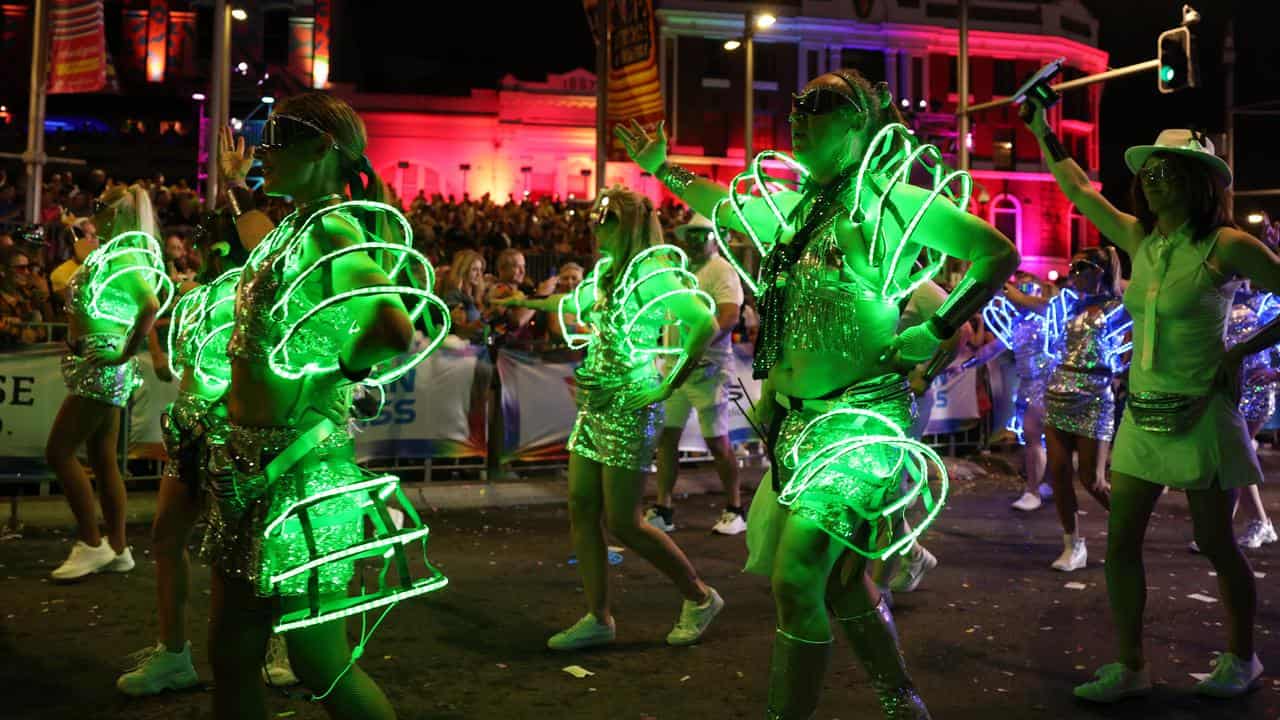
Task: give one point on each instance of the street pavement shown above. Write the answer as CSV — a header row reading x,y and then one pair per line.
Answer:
x,y
991,633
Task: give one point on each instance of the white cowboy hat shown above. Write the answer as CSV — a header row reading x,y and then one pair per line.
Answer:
x,y
1180,142
697,222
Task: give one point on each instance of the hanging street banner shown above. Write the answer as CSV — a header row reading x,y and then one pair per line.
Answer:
x,y
635,89
78,50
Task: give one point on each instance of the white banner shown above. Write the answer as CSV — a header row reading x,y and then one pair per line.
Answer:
x,y
739,429
31,391
955,401
539,403
433,411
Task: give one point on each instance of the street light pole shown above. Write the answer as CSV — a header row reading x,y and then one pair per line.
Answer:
x,y
749,118
1229,69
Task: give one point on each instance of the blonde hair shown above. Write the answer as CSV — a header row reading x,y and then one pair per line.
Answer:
x,y
460,267
131,210
638,224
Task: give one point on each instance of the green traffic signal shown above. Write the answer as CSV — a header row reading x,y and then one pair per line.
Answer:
x,y
1166,73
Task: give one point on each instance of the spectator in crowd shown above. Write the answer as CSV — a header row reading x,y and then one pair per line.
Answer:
x,y
515,323
176,261
10,208
24,299
464,295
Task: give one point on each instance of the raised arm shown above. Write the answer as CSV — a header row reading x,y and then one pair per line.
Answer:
x,y
1119,227
649,151
235,160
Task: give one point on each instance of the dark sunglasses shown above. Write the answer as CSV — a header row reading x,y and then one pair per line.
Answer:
x,y
1157,174
280,131
1079,267
819,101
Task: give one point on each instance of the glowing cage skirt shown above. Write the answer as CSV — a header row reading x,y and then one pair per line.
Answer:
x,y
110,384
840,465
297,527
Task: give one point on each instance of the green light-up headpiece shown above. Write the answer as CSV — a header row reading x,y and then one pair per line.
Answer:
x,y
129,252
868,451
412,278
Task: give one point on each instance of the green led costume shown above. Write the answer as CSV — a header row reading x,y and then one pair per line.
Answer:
x,y
625,326
98,299
195,422
292,514
838,459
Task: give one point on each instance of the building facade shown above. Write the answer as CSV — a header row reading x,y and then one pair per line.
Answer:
x,y
912,46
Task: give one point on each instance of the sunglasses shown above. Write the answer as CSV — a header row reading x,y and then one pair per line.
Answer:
x,y
280,131
1157,174
819,101
1079,267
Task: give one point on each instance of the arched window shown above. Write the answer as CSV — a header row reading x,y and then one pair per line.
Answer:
x,y
1006,215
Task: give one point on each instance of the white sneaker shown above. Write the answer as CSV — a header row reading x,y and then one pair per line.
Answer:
x,y
1046,491
695,618
1231,677
657,519
84,560
912,571
587,632
1115,682
1257,533
122,563
1028,502
276,670
1194,547
157,670
1074,555
730,523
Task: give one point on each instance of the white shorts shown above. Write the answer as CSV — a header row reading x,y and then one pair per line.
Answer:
x,y
705,392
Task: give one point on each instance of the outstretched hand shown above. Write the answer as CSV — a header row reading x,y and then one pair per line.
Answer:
x,y
234,158
648,151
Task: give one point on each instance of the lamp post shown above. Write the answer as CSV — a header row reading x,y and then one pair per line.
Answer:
x,y
526,171
202,151
465,168
586,181
751,22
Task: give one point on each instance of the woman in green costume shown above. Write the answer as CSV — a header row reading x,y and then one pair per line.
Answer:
x,y
1182,426
831,286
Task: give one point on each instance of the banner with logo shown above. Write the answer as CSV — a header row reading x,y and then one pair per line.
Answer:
x,y
77,49
955,402
634,86
437,410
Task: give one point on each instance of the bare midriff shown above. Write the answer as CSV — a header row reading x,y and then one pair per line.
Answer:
x,y
260,398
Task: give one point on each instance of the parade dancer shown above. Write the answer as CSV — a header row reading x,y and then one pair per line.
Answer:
x,y
327,301
1258,378
1080,404
114,299
706,390
624,304
1182,426
192,425
839,255
1022,319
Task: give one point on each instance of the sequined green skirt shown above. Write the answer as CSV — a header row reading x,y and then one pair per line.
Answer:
x,y
190,429
110,384
242,503
606,432
832,469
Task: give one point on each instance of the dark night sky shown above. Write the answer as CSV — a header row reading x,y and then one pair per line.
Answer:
x,y
474,44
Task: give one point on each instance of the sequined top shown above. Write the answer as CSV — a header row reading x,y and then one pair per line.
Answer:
x,y
611,359
1242,323
263,314
1029,357
1093,339
822,307
1179,306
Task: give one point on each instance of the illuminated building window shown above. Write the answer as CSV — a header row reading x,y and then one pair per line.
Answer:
x,y
1077,230
1006,216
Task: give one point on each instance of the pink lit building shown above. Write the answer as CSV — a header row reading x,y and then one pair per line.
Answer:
x,y
539,137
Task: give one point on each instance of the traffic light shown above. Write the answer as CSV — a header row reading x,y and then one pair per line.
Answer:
x,y
1177,57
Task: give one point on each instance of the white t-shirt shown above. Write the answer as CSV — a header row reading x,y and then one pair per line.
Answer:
x,y
718,279
924,302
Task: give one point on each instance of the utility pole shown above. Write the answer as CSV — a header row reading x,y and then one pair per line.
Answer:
x,y
1229,68
34,156
602,93
219,95
962,86
749,117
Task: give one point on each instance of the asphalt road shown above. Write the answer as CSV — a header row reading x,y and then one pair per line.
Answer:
x,y
992,632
